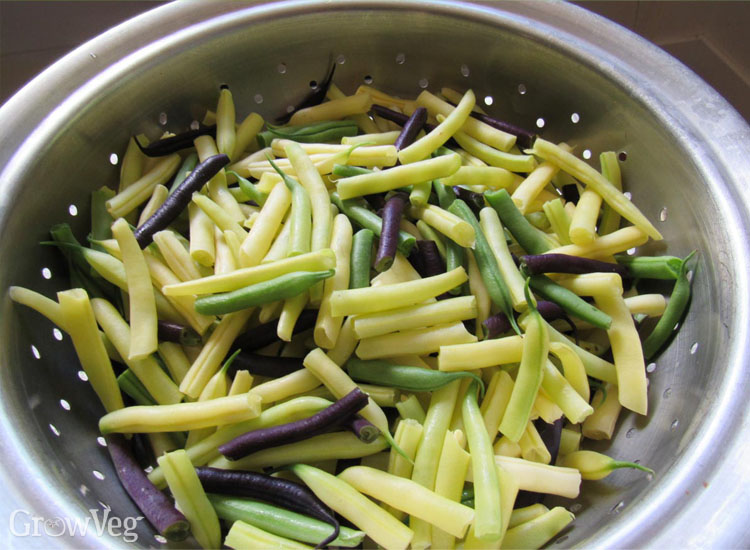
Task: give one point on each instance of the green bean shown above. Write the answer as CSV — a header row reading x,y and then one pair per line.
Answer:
x,y
487,520
101,220
569,301
280,521
133,387
487,263
300,217
455,255
182,172
280,288
530,238
249,189
318,132
444,194
652,267
361,259
678,302
357,210
404,377
345,171
530,372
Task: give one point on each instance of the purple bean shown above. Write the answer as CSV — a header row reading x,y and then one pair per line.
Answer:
x,y
264,335
264,365
564,263
365,430
392,213
411,128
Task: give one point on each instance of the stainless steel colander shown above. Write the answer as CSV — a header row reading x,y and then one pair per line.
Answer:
x,y
550,66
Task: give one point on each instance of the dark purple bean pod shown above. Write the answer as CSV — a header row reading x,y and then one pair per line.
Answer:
x,y
173,144
264,365
392,214
264,335
496,325
281,492
570,193
291,432
426,259
154,504
315,97
179,199
411,128
401,119
550,311
365,430
179,334
550,435
474,200
535,264
524,138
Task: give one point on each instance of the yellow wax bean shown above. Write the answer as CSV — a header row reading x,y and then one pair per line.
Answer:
x,y
447,223
217,387
490,177
38,302
479,291
532,185
333,110
327,327
652,305
627,353
280,247
345,343
143,318
334,445
538,531
131,168
545,409
399,176
480,354
242,167
412,317
225,261
260,237
161,275
410,497
177,257
338,382
495,401
218,215
213,352
532,446
426,145
146,369
401,271
508,494
574,407
597,182
364,122
181,416
493,229
340,496
495,157
245,134
290,312
79,322
158,197
473,127
570,440
610,166
407,437
381,98
226,136
575,372
583,224
312,261
601,424
368,155
139,191
449,482
507,447
189,495
202,245
382,298
380,138
522,515
242,536
421,341
592,284
175,359
541,478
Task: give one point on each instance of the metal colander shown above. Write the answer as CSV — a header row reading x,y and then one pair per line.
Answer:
x,y
547,66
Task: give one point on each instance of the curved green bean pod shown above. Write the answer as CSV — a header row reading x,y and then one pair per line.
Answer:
x,y
249,189
569,301
300,217
651,267
404,377
361,259
530,238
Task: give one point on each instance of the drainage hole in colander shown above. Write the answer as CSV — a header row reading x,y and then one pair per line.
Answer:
x,y
423,83
46,273
465,72
676,327
617,508
35,353
630,433
586,154
562,539
667,393
632,251
401,59
540,122
281,67
100,476
367,79
694,348
73,210
148,469
628,195
163,118
651,367
83,376
341,59
258,98
101,441
114,159
65,405
160,539
623,156
57,334
522,89
290,108
575,118
488,100
83,490
674,424
195,125
54,430
663,214
689,275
